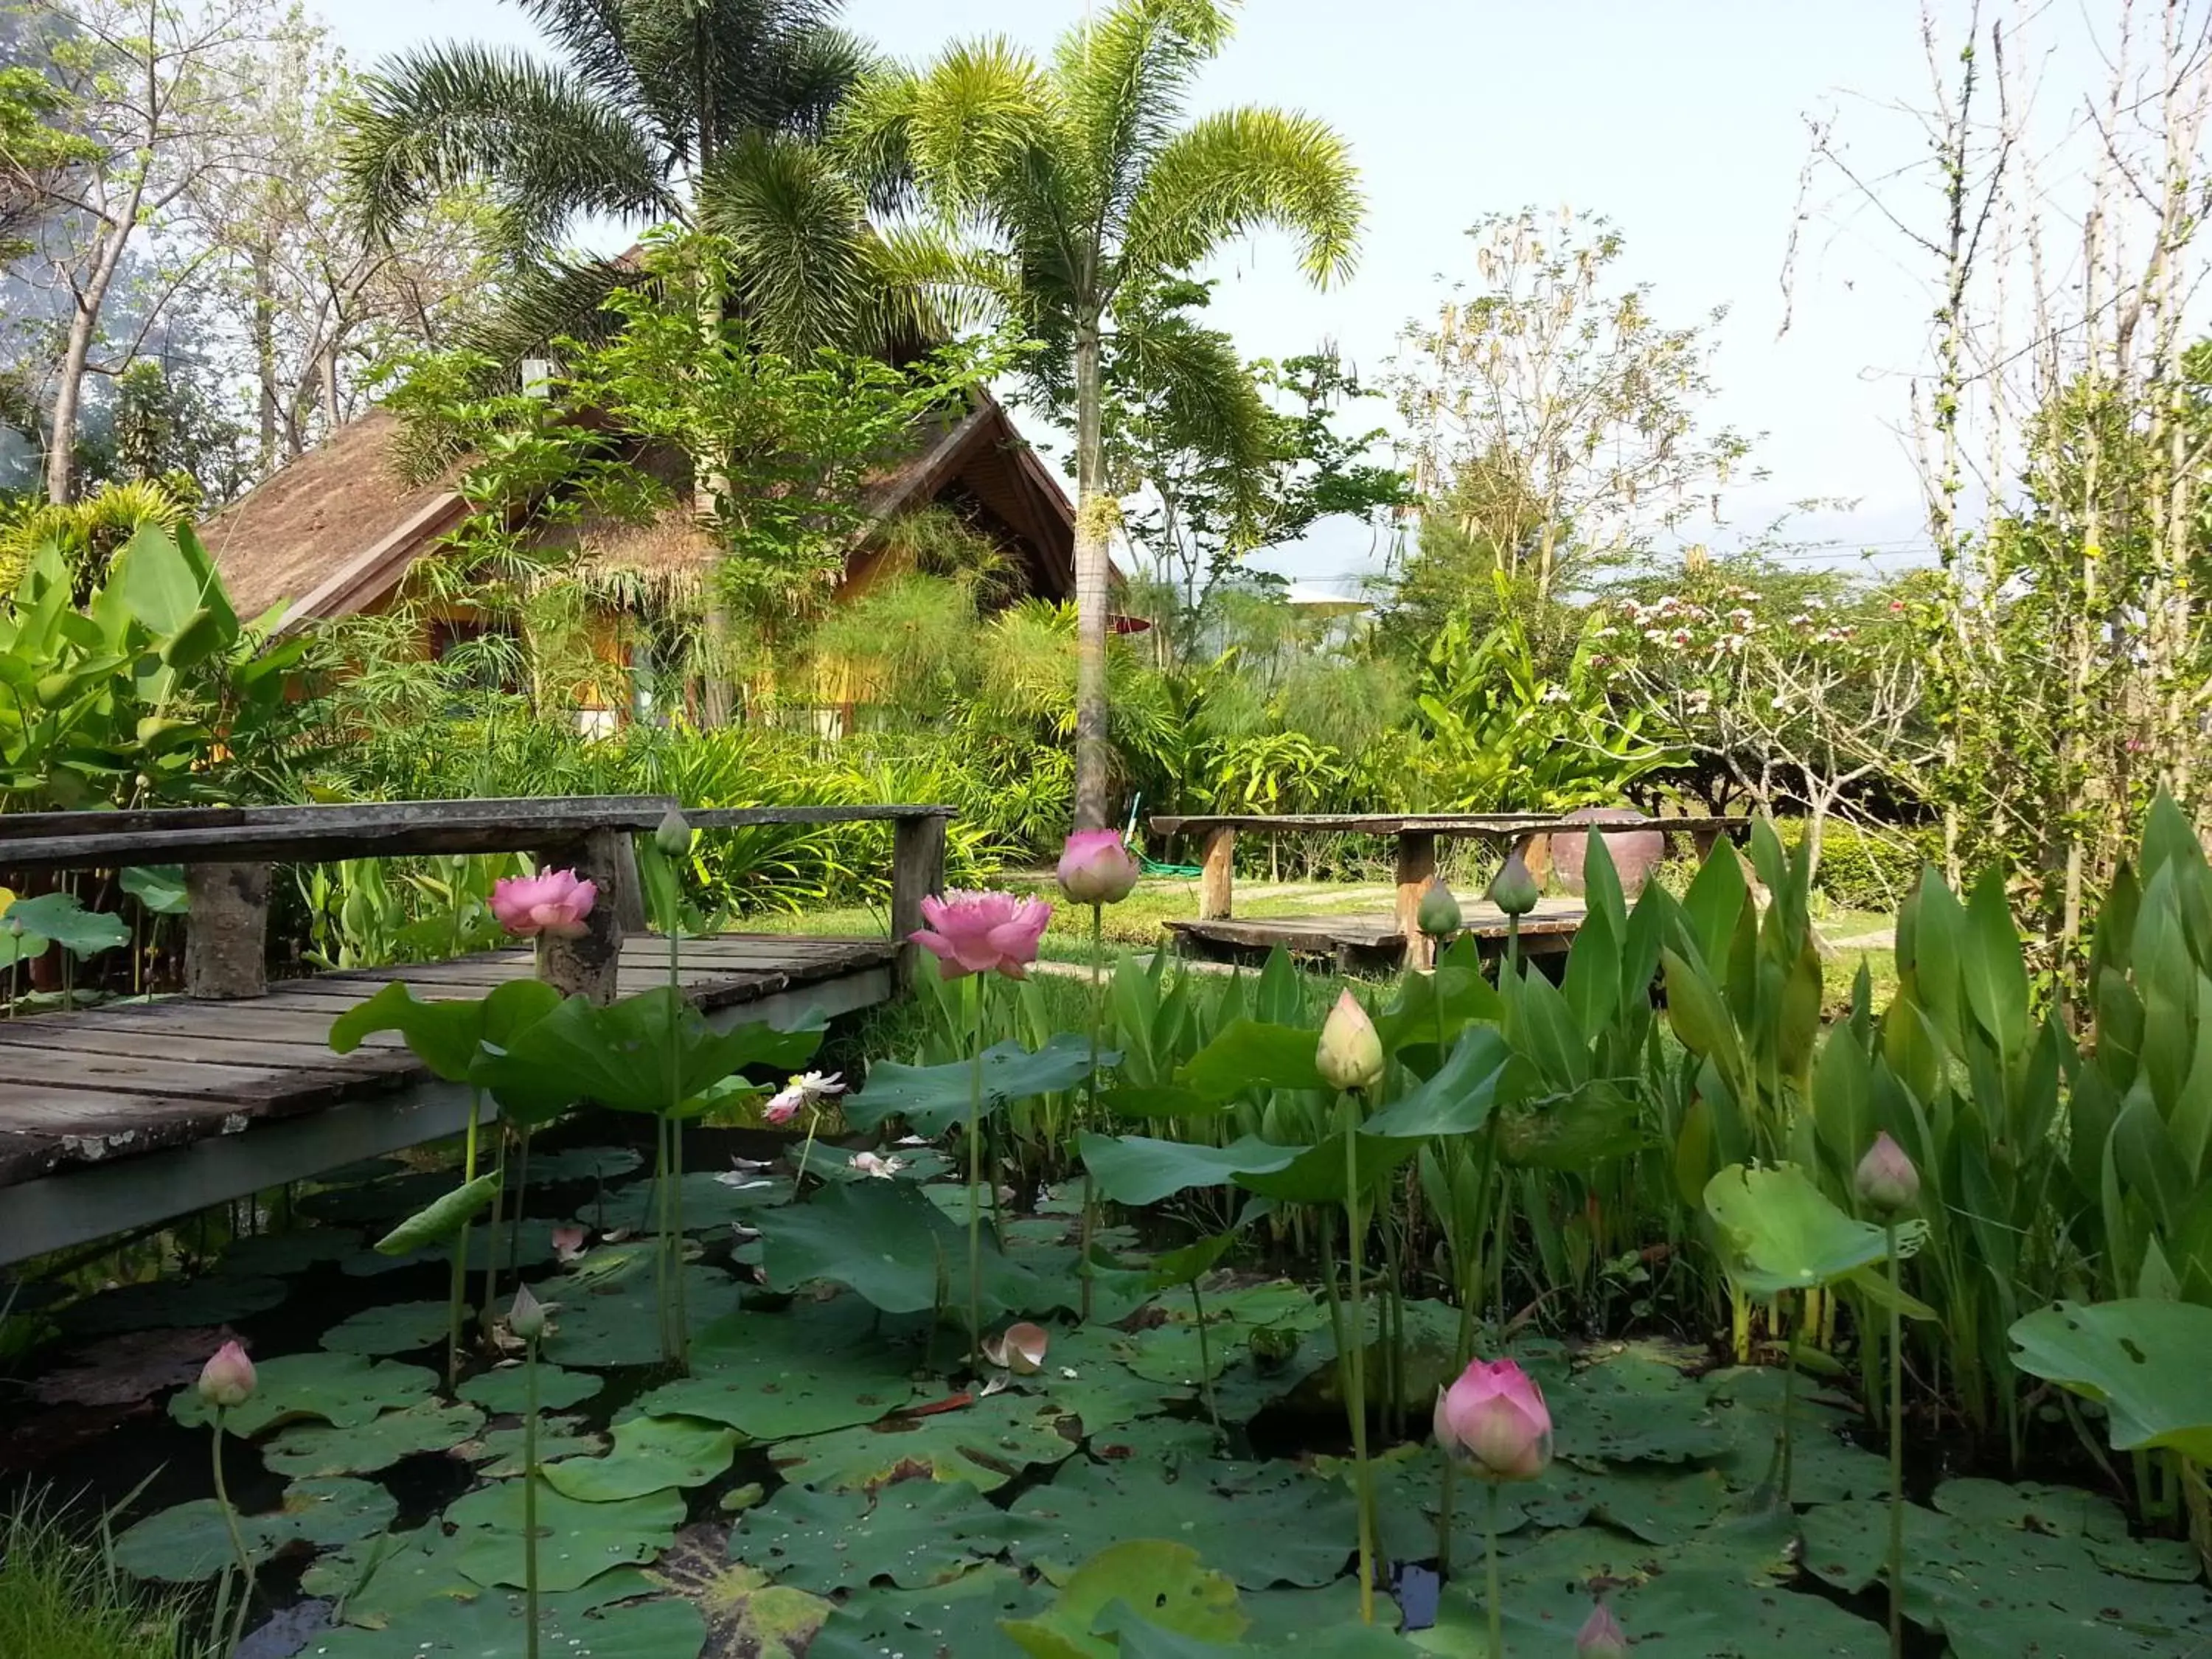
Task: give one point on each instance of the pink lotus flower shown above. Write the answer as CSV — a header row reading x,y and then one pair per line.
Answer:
x,y
983,932
551,901
1602,1636
569,1243
1495,1418
1019,1348
808,1089
1097,868
1886,1180
227,1380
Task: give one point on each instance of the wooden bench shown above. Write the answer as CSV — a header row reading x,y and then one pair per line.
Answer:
x,y
1416,835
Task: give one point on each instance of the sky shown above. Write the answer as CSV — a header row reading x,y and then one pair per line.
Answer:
x,y
1681,120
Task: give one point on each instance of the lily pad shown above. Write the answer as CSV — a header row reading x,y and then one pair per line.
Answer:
x,y
577,1541
745,1613
583,1164
498,1454
343,1389
530,1245
1142,1580
710,1204
1261,1524
505,1390
1634,1407
618,1323
1781,1233
377,1202
392,1327
985,1445
312,1448
913,1533
163,1304
283,1254
489,1626
777,1376
955,1620
649,1453
189,1542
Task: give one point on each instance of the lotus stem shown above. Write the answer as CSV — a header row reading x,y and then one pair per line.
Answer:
x,y
1354,1354
976,1183
1090,1114
1789,1400
529,1498
458,1293
1896,1441
1205,1364
514,1217
237,1540
1496,1604
492,1239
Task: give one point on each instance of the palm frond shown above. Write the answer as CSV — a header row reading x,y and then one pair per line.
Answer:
x,y
1242,170
1206,404
545,145
1123,80
970,132
794,230
594,36
925,288
550,300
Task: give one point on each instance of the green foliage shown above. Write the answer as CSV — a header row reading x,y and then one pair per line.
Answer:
x,y
61,1595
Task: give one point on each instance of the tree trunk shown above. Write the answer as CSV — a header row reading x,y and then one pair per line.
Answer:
x,y
1093,516
84,323
265,359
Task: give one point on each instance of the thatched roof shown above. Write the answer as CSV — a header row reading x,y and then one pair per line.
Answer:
x,y
337,530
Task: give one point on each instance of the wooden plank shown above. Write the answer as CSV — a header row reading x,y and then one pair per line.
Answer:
x,y
291,1021
156,1042
741,818
1216,880
242,1083
42,1129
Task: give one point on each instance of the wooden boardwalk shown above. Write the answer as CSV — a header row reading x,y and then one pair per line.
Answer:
x,y
1370,941
112,1117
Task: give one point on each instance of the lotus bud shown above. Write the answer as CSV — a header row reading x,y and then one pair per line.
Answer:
x,y
673,835
1438,916
1602,1636
1495,1420
1513,889
526,1318
1351,1054
227,1380
1097,867
1887,1182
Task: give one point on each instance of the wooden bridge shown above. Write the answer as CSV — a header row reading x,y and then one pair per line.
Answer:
x,y
1390,938
123,1115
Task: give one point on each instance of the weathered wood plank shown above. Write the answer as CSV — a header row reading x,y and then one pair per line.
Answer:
x,y
240,1082
156,1041
45,1129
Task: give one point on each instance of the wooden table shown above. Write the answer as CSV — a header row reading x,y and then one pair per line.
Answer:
x,y
1416,834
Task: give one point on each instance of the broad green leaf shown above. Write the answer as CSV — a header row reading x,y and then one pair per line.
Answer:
x,y
649,1453
886,1241
189,1542
1995,977
1458,1099
442,1220
59,917
1249,1055
585,1538
1138,1169
1165,1580
159,887
1699,1016
2145,1361
933,1098
1780,1233
343,1389
448,1034
1318,1175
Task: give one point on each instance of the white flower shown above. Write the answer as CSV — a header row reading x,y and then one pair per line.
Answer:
x,y
872,1163
806,1090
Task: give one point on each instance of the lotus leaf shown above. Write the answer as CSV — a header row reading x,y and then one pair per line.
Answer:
x,y
442,1220
498,1454
189,1543
449,1035
956,1621
160,888
1781,1233
489,1625
218,1299
1138,1169
650,1453
580,1541
776,1376
618,1322
506,1389
710,1204
2145,1360
60,918
343,1389
1457,1100
293,1252
1174,1590
583,1164
509,1246
384,1201
888,1243
1249,1055
985,1445
312,1448
389,1327
932,1098
1261,1524
913,1533
746,1613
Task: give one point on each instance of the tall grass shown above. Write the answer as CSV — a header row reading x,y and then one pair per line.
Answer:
x,y
61,1597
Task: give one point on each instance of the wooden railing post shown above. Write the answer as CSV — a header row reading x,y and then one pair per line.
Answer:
x,y
227,931
917,872
1217,880
1417,867
591,964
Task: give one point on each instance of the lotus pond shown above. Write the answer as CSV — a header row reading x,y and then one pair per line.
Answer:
x,y
1131,1337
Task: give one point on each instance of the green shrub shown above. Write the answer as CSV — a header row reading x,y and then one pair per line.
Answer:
x,y
1867,867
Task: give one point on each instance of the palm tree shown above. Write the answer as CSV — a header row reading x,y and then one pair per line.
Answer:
x,y
1081,195
701,112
